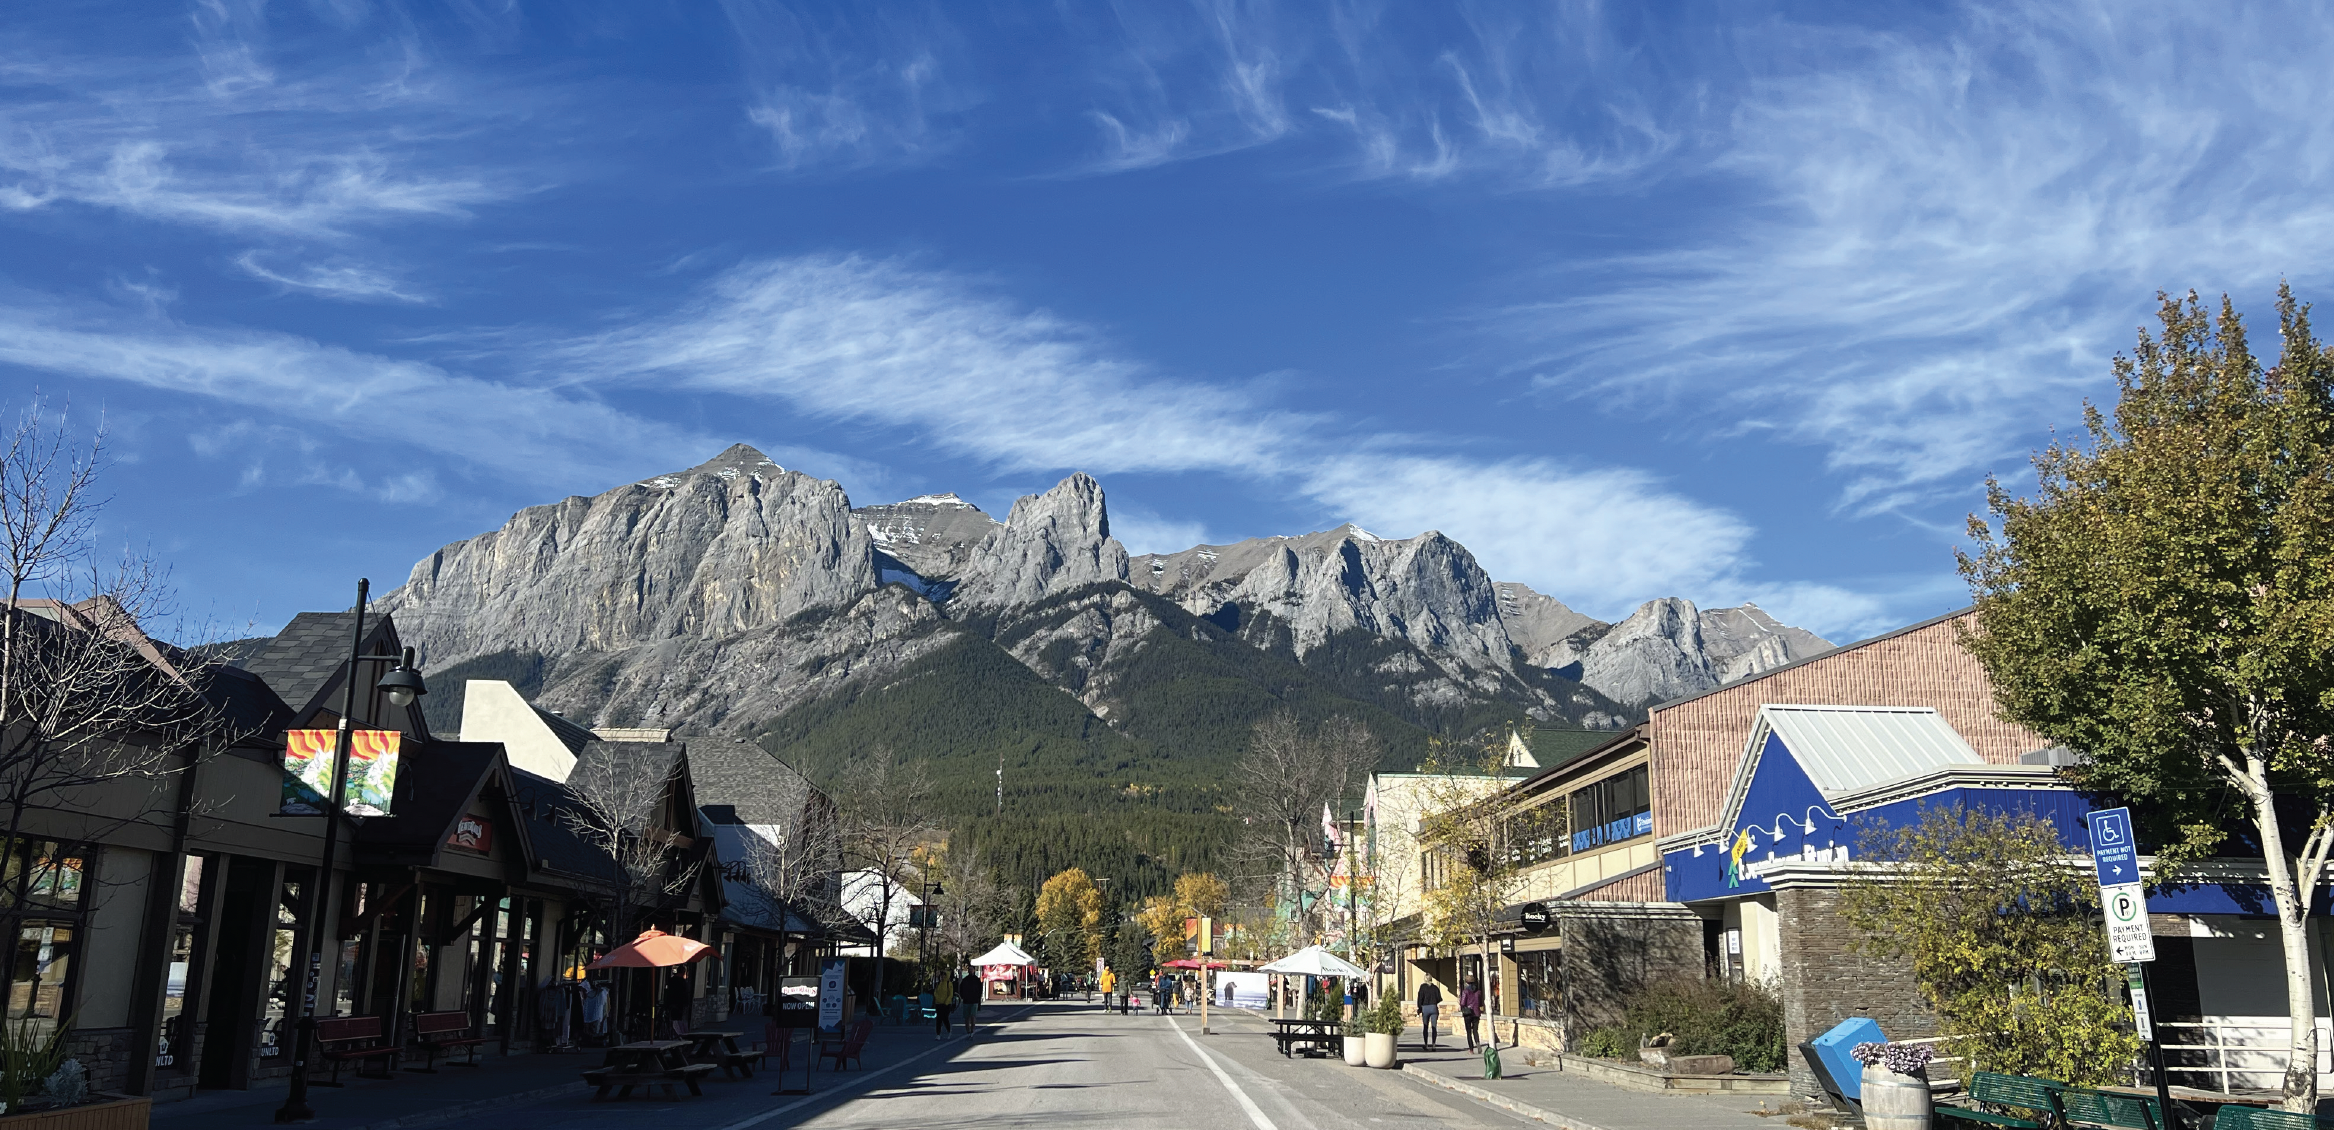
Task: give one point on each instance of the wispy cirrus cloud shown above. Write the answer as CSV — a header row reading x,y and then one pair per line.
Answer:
x,y
234,132
340,279
835,91
1943,234
529,433
884,343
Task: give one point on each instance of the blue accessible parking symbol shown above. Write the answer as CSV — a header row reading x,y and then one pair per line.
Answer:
x,y
2112,850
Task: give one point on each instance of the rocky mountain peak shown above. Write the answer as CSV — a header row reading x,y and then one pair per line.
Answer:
x,y
732,544
930,535
1049,543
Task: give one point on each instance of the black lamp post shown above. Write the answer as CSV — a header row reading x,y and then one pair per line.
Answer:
x,y
932,890
402,685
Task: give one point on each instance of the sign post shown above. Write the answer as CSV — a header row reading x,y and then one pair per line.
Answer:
x,y
1207,947
2123,899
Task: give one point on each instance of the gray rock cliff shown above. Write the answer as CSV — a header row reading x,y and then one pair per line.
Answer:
x,y
1051,542
733,545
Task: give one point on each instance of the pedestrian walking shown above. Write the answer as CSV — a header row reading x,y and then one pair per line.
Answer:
x,y
968,998
1163,993
943,1007
1430,1004
1470,1009
1109,986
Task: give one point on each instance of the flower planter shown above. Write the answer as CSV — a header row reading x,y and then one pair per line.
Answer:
x,y
1355,1053
114,1112
1378,1049
1895,1101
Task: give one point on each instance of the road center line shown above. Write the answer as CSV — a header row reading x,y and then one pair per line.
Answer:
x,y
856,1080
1255,1114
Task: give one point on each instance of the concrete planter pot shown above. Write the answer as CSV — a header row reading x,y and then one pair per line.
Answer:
x,y
1378,1049
1355,1055
1896,1102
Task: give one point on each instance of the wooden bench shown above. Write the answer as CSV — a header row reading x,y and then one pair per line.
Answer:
x,y
353,1039
627,1078
1992,1091
849,1046
2077,1107
2242,1117
439,1032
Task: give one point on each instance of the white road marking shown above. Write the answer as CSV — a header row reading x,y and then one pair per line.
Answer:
x,y
1255,1114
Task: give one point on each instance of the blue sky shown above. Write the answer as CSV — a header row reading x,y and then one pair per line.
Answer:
x,y
1724,301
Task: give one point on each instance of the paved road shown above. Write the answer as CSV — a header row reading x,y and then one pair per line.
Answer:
x,y
1071,1065
1055,1064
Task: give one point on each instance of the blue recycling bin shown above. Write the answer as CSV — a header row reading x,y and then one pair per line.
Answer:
x,y
1830,1051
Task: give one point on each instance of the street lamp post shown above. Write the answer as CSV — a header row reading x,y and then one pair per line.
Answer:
x,y
932,890
401,684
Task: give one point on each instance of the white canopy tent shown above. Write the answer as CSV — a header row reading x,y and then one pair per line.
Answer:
x,y
1006,953
1315,961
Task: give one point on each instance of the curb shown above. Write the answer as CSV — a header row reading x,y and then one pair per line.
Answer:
x,y
1567,1122
481,1106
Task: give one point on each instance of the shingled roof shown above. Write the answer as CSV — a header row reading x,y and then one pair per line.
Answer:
x,y
750,779
300,662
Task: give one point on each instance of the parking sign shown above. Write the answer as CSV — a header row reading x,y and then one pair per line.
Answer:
x,y
2121,897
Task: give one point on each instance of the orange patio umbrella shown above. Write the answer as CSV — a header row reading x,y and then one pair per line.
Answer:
x,y
654,949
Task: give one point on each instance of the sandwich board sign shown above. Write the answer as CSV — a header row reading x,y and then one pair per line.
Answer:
x,y
2121,896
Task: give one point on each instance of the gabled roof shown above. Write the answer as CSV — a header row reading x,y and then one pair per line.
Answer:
x,y
751,780
436,783
1848,749
543,804
574,737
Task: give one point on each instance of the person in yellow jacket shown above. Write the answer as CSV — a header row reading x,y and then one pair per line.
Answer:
x,y
943,1004
1109,983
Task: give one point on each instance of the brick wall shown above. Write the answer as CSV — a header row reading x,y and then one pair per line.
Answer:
x,y
1824,981
1608,957
1696,743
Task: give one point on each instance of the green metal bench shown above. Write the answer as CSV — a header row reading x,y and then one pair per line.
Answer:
x,y
1992,1090
2104,1109
2239,1117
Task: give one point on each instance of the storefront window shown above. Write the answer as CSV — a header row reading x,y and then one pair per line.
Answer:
x,y
1537,991
178,1028
282,966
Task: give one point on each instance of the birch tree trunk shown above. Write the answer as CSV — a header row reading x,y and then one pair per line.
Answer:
x,y
2292,881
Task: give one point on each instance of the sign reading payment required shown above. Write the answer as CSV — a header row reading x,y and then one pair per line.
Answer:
x,y
2121,896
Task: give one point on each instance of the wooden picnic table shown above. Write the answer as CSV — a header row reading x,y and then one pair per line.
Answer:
x,y
721,1050
1324,1036
647,1063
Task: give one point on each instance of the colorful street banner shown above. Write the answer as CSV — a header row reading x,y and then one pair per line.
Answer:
x,y
372,771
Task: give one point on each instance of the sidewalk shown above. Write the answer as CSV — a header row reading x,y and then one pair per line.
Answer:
x,y
1577,1102
527,1089
410,1099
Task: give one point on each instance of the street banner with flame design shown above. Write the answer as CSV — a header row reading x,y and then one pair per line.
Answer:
x,y
372,771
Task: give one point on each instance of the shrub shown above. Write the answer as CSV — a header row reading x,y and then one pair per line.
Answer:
x,y
1609,1043
1384,1017
1706,1017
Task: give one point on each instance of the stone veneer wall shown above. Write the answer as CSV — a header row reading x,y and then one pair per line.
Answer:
x,y
104,1052
1824,981
1609,956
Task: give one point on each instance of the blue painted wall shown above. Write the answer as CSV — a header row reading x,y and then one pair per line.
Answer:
x,y
1784,817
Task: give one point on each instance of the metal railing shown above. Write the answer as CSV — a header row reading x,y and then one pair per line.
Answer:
x,y
2216,1044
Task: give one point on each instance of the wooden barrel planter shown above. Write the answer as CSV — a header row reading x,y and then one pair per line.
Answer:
x,y
113,1112
1896,1102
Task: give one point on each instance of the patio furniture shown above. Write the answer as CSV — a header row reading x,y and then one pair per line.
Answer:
x,y
1323,1037
848,1047
720,1049
647,1064
2256,1118
1990,1090
353,1039
439,1032
2080,1107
